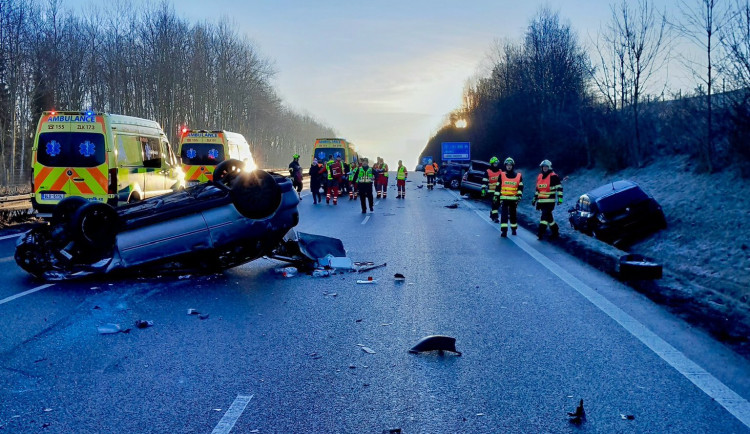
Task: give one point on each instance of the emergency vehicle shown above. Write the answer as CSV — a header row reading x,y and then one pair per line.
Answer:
x,y
101,157
202,150
335,147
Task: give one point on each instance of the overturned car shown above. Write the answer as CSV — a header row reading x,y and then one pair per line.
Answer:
x,y
238,217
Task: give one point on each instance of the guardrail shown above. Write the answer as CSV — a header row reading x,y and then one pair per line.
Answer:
x,y
18,202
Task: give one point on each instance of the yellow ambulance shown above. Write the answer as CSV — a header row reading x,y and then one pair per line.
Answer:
x,y
202,150
100,156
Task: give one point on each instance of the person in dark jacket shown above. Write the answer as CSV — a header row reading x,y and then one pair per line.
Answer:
x,y
364,179
315,177
295,172
549,192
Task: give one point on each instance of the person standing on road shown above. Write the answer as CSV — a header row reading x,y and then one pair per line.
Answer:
x,y
429,172
509,194
295,171
335,174
549,192
315,175
401,176
381,181
345,187
491,179
364,185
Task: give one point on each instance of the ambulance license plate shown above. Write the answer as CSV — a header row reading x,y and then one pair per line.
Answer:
x,y
53,196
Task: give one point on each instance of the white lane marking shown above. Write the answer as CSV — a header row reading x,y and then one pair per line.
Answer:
x,y
10,236
6,259
710,385
30,291
365,220
377,202
230,417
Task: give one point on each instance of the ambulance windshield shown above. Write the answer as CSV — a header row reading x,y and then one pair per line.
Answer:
x,y
202,154
61,149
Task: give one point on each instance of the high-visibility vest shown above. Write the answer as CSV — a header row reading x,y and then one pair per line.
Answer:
x,y
353,174
493,177
364,175
545,193
429,169
435,165
509,186
328,168
401,173
384,168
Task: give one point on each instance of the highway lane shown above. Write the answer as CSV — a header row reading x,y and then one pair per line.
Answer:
x,y
532,344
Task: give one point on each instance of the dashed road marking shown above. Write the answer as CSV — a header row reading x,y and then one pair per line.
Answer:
x,y
21,294
230,417
366,219
710,385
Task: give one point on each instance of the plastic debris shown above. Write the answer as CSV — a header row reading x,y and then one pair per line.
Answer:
x,y
352,367
47,410
142,324
371,267
192,312
627,417
368,350
399,277
435,343
321,273
108,329
186,276
365,282
452,206
579,415
287,271
393,430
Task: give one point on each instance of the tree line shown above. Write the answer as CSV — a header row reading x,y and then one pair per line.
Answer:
x,y
611,105
148,63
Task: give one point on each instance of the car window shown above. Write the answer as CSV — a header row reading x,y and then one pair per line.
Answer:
x,y
621,199
202,154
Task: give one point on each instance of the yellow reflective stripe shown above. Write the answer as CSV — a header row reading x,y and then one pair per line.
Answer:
x,y
90,182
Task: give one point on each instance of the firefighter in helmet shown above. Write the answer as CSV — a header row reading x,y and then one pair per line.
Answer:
x,y
549,192
491,179
508,194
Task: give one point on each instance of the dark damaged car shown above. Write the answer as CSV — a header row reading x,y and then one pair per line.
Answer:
x,y
617,213
238,217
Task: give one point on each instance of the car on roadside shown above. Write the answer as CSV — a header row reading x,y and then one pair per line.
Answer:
x,y
237,217
617,213
451,174
472,181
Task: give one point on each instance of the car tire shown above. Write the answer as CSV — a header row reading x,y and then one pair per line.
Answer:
x,y
256,195
65,210
637,267
227,170
94,226
454,184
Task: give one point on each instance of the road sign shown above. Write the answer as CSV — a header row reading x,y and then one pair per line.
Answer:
x,y
456,151
426,160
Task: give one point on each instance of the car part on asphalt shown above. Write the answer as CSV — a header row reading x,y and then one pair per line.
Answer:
x,y
435,343
238,217
579,415
638,267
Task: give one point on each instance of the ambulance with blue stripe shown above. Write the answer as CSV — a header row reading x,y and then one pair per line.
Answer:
x,y
101,157
201,150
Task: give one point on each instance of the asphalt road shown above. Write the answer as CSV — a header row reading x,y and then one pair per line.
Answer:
x,y
538,329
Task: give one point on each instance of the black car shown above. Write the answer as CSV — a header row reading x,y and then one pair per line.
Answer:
x,y
472,181
451,174
617,213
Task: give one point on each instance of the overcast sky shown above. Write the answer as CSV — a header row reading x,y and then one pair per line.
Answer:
x,y
383,73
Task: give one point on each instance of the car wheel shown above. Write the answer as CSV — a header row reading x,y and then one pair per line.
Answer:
x,y
94,226
66,208
256,195
637,267
227,170
454,184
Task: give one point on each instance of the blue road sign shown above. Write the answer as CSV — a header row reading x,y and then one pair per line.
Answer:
x,y
456,151
426,160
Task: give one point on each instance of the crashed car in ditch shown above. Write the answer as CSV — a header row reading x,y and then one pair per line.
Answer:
x,y
617,213
238,217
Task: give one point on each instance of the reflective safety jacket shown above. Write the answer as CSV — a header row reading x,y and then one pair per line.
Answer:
x,y
548,188
401,173
429,169
364,174
336,170
435,165
492,178
511,186
384,169
329,163
353,174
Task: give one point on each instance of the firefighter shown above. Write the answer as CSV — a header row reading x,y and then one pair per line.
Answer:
x,y
401,175
491,179
364,180
429,172
509,193
549,192
295,172
345,188
316,169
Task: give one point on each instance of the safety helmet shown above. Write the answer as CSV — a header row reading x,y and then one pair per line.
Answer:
x,y
509,161
546,163
494,160
295,156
